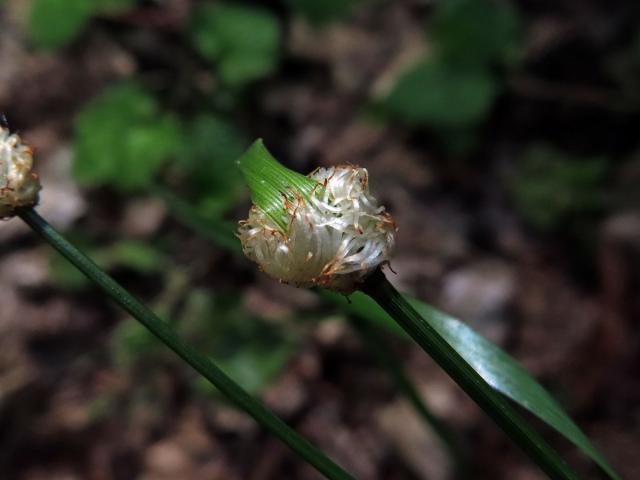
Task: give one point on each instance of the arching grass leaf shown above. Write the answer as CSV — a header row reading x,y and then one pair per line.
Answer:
x,y
495,366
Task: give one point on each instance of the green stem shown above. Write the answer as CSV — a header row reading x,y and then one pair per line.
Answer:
x,y
379,349
217,231
199,362
496,406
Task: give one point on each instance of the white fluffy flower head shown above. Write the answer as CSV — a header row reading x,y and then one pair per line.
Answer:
x,y
19,186
335,236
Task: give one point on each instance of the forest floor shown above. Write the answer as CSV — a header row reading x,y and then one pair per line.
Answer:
x,y
562,301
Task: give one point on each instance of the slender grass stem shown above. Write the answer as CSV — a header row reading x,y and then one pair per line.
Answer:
x,y
169,337
387,359
496,406
221,234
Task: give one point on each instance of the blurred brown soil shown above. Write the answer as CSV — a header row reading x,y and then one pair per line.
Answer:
x,y
461,247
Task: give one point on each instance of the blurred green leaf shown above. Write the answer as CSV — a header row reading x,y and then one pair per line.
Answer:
x,y
442,95
113,6
242,40
137,256
131,341
246,347
550,187
64,275
101,407
134,255
494,365
250,350
322,12
123,138
215,229
212,146
54,23
458,141
475,32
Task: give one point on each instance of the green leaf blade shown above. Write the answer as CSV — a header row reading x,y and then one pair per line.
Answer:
x,y
494,365
208,160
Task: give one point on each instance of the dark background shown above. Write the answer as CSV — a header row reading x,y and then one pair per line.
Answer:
x,y
502,136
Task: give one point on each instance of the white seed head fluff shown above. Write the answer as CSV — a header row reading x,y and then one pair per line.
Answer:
x,y
334,240
19,186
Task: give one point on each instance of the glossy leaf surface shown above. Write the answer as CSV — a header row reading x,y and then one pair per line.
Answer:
x,y
495,366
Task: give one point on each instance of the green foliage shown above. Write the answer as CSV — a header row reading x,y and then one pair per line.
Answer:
x,y
113,6
212,145
65,276
550,186
130,254
131,341
475,32
442,95
322,12
138,256
123,138
453,90
55,23
245,347
211,227
242,40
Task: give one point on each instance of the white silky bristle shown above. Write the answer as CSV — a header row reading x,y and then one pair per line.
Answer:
x,y
334,240
19,186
